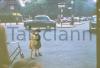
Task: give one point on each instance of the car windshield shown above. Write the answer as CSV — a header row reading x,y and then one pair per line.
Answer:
x,y
42,18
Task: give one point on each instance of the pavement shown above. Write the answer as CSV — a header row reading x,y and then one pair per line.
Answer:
x,y
60,48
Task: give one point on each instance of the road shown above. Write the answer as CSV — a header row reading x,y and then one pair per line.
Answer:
x,y
61,48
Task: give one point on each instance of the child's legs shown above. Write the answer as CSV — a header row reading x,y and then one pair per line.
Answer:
x,y
38,51
31,53
35,52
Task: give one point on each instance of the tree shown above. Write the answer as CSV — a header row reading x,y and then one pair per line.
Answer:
x,y
50,7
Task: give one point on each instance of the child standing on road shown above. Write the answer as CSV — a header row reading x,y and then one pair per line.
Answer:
x,y
35,43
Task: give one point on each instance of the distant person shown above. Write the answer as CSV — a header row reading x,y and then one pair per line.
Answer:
x,y
58,19
35,43
34,64
72,20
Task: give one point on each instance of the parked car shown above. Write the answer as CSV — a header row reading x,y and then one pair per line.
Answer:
x,y
93,23
82,18
40,21
63,19
66,19
76,19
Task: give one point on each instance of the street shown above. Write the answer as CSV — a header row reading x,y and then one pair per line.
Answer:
x,y
73,47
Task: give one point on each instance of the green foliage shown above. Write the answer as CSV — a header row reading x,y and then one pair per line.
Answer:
x,y
50,7
9,18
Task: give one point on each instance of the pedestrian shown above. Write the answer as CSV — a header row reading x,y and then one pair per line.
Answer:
x,y
72,20
35,43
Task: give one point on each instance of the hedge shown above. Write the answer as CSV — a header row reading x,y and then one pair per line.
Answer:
x,y
10,19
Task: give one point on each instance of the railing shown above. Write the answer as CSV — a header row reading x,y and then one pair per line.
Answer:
x,y
16,52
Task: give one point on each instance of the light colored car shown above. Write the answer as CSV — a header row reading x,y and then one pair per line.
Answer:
x,y
40,21
93,22
76,19
66,19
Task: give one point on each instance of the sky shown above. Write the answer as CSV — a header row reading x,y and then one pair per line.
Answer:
x,y
22,2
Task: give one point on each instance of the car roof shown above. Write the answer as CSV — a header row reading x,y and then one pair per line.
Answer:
x,y
41,16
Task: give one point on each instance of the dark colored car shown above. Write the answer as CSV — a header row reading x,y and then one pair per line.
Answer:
x,y
40,21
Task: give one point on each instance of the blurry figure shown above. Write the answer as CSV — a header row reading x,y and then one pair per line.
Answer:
x,y
5,66
59,19
35,43
21,64
26,64
4,56
72,20
34,65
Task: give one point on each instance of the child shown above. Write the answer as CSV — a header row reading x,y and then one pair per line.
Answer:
x,y
35,43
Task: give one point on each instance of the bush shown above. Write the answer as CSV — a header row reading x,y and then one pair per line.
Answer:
x,y
10,18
